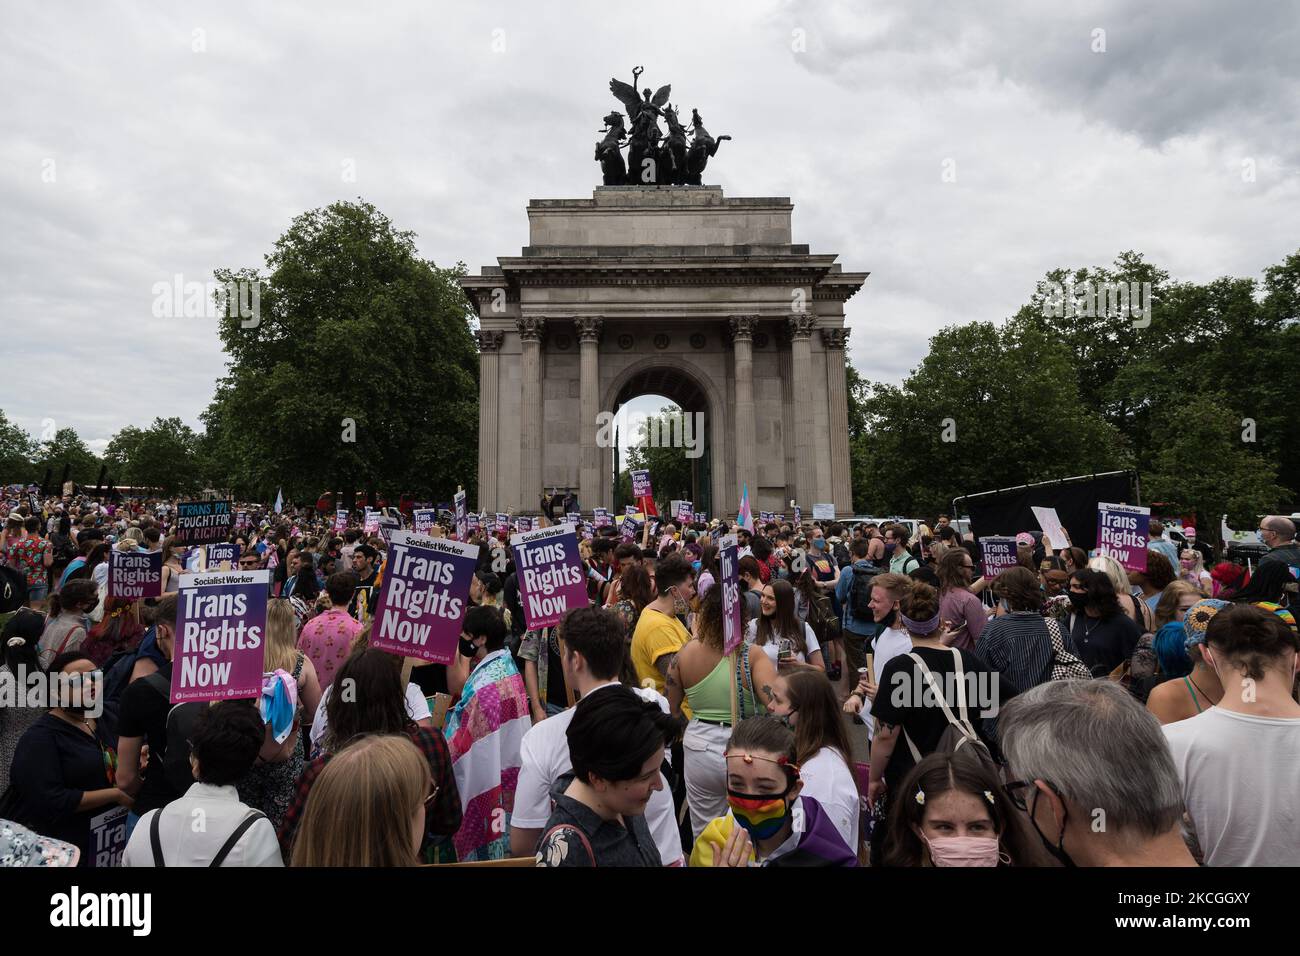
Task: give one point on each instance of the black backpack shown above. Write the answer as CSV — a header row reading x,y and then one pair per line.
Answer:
x,y
842,556
860,594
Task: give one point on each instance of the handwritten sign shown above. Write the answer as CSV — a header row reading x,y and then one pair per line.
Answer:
x,y
824,512
202,522
1050,522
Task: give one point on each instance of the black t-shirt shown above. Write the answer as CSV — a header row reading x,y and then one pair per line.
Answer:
x,y
144,714
1106,642
904,700
367,585
54,764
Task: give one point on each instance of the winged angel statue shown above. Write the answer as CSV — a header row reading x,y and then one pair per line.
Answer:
x,y
652,158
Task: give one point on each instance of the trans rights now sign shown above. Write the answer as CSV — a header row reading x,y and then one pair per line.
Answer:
x,y
551,577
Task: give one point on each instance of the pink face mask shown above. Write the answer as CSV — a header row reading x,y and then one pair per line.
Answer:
x,y
1188,565
964,851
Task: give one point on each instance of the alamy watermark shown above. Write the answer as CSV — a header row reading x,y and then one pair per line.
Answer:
x,y
1065,300
239,299
81,691
661,430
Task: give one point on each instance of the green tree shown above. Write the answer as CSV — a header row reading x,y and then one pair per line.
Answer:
x,y
67,448
1204,466
359,367
17,451
670,469
163,456
988,407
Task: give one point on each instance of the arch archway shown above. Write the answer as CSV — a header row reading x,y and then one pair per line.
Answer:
x,y
694,393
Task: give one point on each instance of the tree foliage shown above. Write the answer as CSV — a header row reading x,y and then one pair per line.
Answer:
x,y
670,469
359,369
165,456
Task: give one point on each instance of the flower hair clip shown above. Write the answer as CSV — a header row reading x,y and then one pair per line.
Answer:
x,y
988,795
920,797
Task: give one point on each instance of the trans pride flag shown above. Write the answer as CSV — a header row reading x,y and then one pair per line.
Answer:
x,y
484,731
746,518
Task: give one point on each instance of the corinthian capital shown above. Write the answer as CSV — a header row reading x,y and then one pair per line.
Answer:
x,y
531,328
742,327
835,338
589,327
801,325
489,341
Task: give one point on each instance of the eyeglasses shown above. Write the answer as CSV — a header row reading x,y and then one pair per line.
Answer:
x,y
1016,792
428,801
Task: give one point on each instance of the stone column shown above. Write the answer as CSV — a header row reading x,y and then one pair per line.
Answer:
x,y
531,329
589,467
489,362
742,337
837,388
801,326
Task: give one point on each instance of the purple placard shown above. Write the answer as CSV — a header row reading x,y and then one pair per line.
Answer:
x,y
424,520
340,521
573,517
733,627
424,596
798,516
641,483
551,577
134,574
603,519
220,636
372,522
998,554
630,510
503,522
1122,533
685,512
221,557
524,524
475,523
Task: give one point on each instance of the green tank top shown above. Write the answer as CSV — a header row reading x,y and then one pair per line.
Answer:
x,y
710,699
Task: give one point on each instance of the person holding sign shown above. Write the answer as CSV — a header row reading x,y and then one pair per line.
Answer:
x,y
484,731
660,633
63,779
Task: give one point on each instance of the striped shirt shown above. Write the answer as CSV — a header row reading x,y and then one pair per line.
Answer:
x,y
1019,646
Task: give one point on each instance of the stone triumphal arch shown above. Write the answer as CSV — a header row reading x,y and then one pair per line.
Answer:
x,y
673,290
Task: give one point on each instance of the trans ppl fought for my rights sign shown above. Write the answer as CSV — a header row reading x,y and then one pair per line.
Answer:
x,y
220,636
424,597
551,577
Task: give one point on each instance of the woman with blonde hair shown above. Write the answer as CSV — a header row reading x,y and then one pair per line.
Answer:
x,y
1191,568
1137,610
290,688
367,806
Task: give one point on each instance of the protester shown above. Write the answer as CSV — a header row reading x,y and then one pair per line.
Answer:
x,y
1278,534
364,559
1153,581
484,731
19,661
544,677
64,771
616,746
806,700
1200,688
887,594
858,625
1020,643
34,556
1271,582
958,605
704,676
1192,570
632,593
660,634
778,631
1160,544
901,561
906,713
1102,634
764,792
1128,595
1092,770
594,650
375,704
367,806
226,739
1239,761
952,811
327,638
68,626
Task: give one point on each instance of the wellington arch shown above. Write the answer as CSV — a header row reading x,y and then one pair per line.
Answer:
x,y
672,290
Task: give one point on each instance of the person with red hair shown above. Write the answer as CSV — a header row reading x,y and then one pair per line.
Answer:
x,y
1227,579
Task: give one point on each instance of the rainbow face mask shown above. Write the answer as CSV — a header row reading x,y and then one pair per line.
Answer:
x,y
763,815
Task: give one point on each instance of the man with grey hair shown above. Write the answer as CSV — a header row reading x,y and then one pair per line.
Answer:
x,y
1279,534
1091,768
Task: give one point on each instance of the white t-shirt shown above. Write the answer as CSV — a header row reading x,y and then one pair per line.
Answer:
x,y
826,778
544,759
888,644
416,706
772,648
1241,785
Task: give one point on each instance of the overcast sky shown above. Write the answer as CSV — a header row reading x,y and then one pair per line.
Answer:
x,y
146,140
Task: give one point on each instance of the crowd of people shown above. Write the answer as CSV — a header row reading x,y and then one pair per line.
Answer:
x,y
887,703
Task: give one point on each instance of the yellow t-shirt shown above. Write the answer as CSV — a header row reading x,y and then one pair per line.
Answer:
x,y
656,635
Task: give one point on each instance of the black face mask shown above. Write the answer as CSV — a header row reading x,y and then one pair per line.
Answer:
x,y
1057,851
468,648
1078,601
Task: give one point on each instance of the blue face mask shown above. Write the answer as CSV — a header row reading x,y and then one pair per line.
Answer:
x,y
696,566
